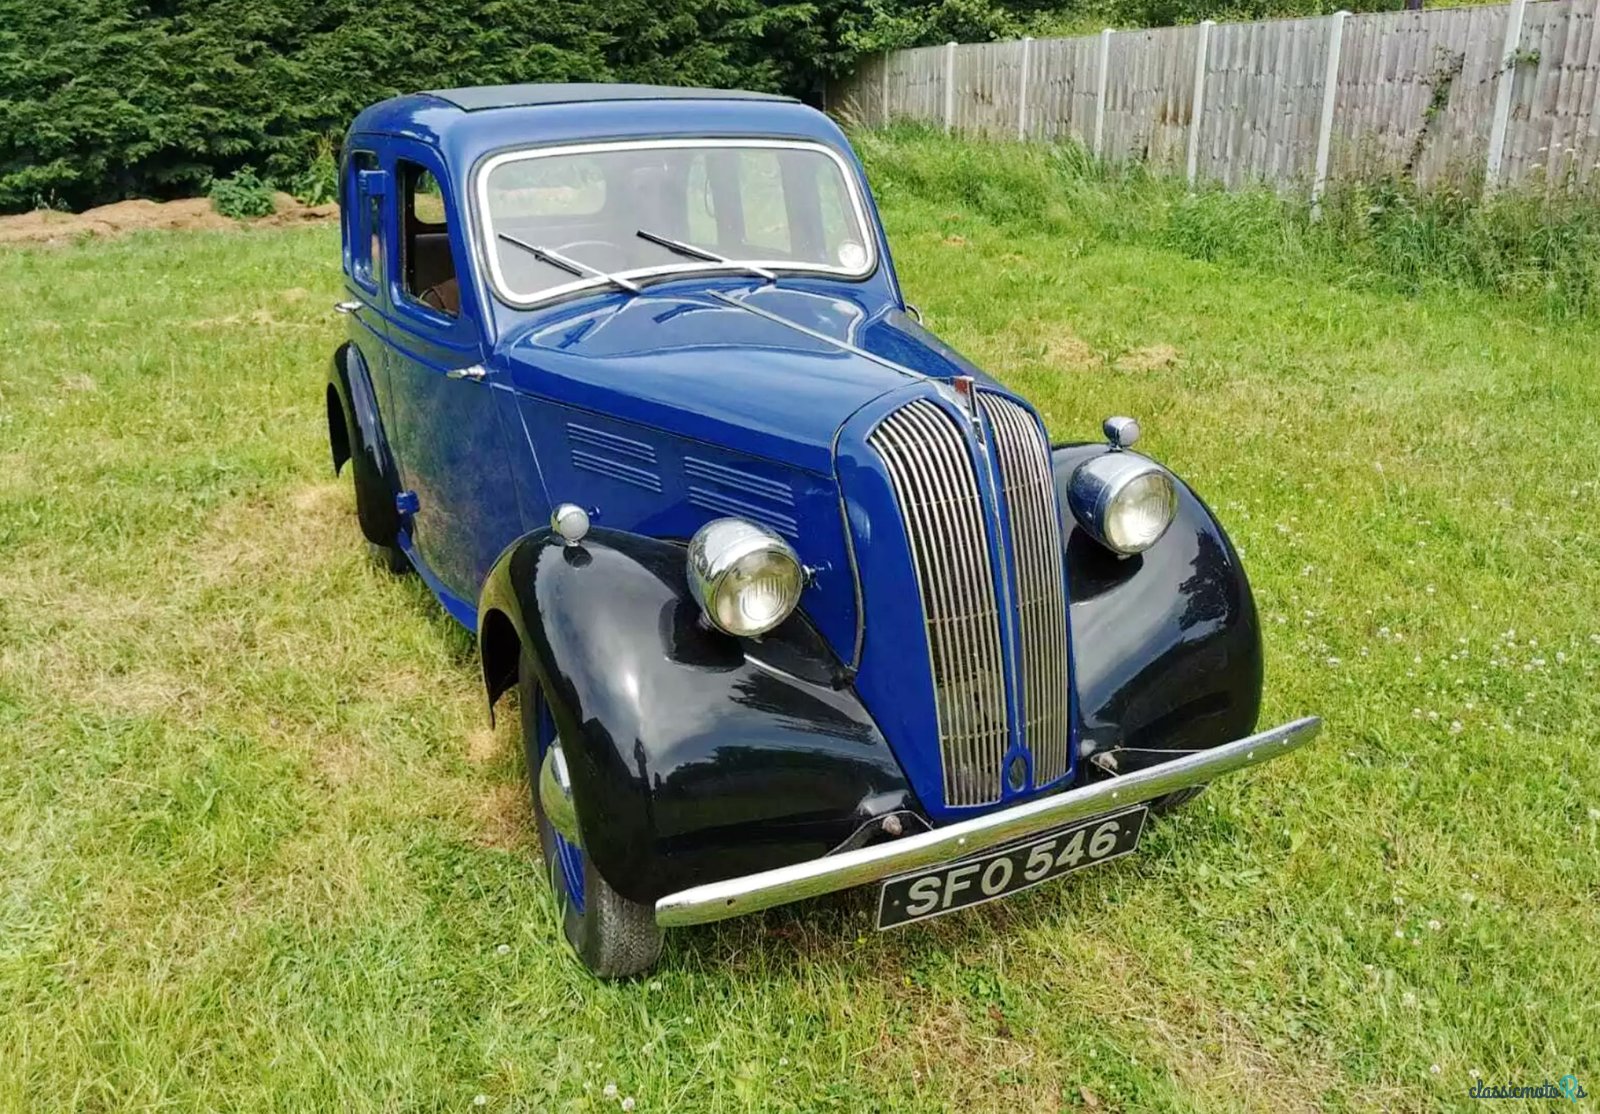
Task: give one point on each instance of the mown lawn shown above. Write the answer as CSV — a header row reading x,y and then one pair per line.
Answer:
x,y
259,850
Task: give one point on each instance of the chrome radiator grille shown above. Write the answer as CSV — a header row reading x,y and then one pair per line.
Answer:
x,y
932,474
1029,487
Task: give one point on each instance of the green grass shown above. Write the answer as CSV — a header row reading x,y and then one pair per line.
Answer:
x,y
259,850
1539,249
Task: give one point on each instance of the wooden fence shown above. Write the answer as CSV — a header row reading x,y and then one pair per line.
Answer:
x,y
1491,95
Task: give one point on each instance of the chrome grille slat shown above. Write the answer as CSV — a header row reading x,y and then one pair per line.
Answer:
x,y
936,486
969,600
1029,488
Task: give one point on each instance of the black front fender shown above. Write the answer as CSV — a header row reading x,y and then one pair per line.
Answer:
x,y
1166,644
694,757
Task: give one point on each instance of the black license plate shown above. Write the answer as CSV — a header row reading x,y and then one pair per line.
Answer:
x,y
944,889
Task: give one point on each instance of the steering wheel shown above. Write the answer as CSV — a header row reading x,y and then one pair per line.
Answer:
x,y
618,255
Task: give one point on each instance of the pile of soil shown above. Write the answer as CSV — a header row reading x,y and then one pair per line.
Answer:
x,y
43,226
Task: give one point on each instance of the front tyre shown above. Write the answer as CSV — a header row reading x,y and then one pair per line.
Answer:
x,y
613,936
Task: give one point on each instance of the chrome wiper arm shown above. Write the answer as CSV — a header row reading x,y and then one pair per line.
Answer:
x,y
694,252
568,264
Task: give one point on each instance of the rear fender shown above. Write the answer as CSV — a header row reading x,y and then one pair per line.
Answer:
x,y
355,436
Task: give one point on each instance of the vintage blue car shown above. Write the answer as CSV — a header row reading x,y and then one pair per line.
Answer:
x,y
795,598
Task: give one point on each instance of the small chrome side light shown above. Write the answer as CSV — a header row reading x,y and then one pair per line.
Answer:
x,y
570,522
1121,432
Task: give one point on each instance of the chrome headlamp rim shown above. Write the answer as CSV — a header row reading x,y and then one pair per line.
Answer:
x,y
718,548
1097,484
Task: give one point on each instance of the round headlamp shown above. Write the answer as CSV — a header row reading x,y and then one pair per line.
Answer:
x,y
1125,501
746,578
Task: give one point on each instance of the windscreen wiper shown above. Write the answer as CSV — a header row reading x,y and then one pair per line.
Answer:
x,y
694,252
570,265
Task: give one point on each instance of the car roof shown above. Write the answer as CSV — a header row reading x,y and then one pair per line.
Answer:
x,y
479,97
465,124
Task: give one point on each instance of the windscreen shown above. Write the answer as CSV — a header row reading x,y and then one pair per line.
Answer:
x,y
775,205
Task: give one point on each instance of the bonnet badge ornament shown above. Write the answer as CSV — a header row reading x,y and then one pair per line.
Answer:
x,y
964,394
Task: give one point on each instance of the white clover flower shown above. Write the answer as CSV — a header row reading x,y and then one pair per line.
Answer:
x,y
1435,925
480,1100
1399,934
1594,814
627,1103
503,949
1408,1000
1455,727
1434,1069
609,1090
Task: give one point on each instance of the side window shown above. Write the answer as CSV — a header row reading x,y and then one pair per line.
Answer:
x,y
365,221
428,270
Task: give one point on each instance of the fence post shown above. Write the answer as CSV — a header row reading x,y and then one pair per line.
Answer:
x,y
949,85
1100,94
885,93
1503,82
1330,89
1022,89
1198,101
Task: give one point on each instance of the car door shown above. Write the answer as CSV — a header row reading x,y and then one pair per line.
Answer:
x,y
365,195
452,450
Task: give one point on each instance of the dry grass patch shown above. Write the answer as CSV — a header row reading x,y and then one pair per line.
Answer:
x,y
1216,1055
503,818
954,1061
1150,357
276,534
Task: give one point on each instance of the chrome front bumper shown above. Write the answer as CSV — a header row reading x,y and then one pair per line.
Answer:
x,y
738,896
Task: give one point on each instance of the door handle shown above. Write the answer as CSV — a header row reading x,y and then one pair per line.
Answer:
x,y
476,372
346,307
